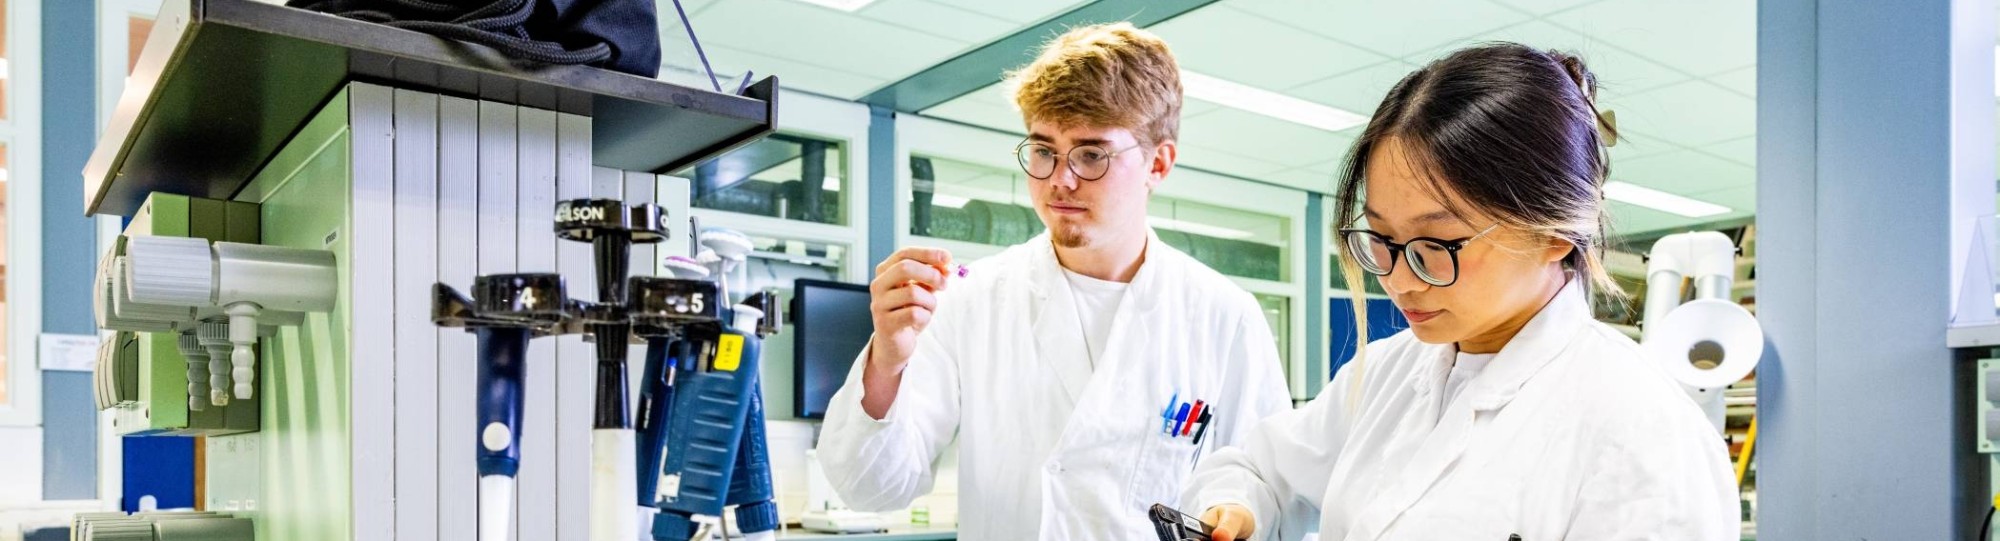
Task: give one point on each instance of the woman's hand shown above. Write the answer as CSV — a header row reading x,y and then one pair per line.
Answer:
x,y
1230,522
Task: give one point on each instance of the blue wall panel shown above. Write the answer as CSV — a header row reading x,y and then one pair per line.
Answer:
x,y
1384,320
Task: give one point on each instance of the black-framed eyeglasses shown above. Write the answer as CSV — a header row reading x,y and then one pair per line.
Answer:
x,y
1087,162
1434,260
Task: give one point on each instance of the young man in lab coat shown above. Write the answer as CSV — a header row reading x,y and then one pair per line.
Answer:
x,y
1082,372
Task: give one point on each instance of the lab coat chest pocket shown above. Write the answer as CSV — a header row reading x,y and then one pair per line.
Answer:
x,y
1163,465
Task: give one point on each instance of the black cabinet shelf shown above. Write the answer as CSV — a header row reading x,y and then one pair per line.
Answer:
x,y
222,84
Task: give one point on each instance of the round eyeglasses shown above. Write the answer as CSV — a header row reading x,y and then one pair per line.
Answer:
x,y
1087,162
1434,260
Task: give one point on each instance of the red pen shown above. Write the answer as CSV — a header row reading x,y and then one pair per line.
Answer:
x,y
1192,417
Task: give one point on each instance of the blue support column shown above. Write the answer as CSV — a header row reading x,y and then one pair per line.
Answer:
x,y
881,186
1315,301
1863,412
69,254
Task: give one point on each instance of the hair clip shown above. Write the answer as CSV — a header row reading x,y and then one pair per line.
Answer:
x,y
1607,127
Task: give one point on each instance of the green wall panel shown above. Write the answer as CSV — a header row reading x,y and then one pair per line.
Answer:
x,y
300,488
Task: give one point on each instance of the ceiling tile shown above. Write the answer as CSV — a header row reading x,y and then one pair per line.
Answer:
x,y
1328,166
994,94
1632,146
1617,70
978,113
1694,113
668,17
1262,137
1740,198
1017,11
730,64
1629,220
1225,162
1304,178
1540,8
1700,37
799,32
1685,173
1743,151
1247,49
1743,80
1396,29
940,20
1633,220
1358,91
1191,108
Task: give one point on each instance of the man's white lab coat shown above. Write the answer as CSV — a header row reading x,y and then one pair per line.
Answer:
x,y
1049,448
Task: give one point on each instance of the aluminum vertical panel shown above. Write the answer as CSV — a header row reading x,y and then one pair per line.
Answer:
x,y
575,379
606,182
535,174
458,263
416,229
497,215
371,230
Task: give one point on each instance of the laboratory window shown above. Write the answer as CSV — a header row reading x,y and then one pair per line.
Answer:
x,y
968,202
789,176
1234,242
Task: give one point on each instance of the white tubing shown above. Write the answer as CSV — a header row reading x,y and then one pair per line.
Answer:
x,y
496,507
243,356
1708,257
614,485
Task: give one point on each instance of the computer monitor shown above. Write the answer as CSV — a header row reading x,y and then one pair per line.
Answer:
x,y
830,326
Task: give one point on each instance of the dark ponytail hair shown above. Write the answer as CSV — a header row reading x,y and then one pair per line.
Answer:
x,y
1511,130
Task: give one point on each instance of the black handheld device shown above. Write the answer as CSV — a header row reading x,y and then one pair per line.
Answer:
x,y
1173,525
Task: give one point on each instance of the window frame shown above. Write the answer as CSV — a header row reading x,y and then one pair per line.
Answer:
x,y
21,133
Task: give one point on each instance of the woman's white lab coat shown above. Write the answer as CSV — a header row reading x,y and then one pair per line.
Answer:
x,y
1570,433
1047,448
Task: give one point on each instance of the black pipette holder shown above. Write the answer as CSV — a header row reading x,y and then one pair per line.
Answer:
x,y
611,228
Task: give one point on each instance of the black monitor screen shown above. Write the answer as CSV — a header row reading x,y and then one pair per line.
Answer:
x,y
830,326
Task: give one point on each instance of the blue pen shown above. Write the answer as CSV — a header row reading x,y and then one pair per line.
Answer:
x,y
1180,418
1167,416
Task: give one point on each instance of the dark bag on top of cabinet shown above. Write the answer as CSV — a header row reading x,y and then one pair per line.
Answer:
x,y
621,35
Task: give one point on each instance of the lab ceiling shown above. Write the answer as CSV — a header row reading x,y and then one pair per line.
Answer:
x,y
1680,75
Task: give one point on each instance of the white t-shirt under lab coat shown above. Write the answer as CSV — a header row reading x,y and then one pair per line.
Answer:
x,y
1466,367
1096,305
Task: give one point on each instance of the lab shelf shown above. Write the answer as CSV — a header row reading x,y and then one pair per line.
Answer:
x,y
222,84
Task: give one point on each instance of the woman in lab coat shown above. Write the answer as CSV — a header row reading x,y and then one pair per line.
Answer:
x,y
1505,409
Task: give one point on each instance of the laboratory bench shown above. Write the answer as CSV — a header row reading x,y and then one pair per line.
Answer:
x,y
899,532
